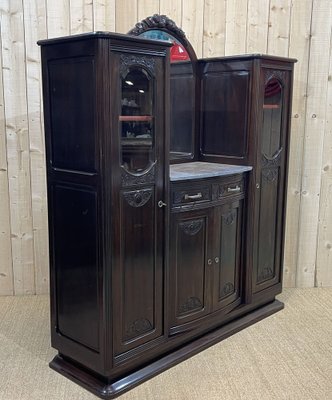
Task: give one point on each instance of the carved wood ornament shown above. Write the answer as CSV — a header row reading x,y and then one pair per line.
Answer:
x,y
227,289
270,174
133,180
157,21
265,273
230,217
137,198
274,74
128,61
190,304
191,227
138,327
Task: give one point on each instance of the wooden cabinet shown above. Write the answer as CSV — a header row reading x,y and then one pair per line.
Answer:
x,y
104,103
206,229
248,123
151,263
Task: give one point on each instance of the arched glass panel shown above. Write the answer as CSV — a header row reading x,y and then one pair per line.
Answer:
x,y
136,121
272,111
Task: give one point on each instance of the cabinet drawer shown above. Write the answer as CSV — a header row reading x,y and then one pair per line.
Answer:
x,y
226,189
191,194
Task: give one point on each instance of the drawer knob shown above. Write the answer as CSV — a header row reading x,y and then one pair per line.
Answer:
x,y
209,261
216,260
235,189
193,196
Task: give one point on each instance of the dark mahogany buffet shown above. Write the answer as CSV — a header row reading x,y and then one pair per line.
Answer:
x,y
167,179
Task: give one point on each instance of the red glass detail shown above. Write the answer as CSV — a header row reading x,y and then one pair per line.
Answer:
x,y
179,53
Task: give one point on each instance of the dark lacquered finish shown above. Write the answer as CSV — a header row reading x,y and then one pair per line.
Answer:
x,y
228,262
190,249
146,272
205,249
261,86
75,260
225,96
106,168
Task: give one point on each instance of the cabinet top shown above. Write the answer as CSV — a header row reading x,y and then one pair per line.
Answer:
x,y
104,35
244,57
198,170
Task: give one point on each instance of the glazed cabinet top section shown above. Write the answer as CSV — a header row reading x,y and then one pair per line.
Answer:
x,y
82,118
237,95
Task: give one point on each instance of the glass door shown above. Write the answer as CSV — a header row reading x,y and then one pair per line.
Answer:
x,y
271,184
137,125
138,220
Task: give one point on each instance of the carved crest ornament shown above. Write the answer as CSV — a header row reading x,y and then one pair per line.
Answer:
x,y
157,21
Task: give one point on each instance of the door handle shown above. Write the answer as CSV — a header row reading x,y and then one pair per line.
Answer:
x,y
193,196
234,189
161,204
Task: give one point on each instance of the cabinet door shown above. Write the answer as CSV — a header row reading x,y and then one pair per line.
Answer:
x,y
139,223
227,256
190,248
270,180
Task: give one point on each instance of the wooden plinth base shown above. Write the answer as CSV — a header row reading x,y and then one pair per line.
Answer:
x,y
118,387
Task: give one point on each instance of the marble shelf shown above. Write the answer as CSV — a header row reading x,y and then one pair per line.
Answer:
x,y
199,169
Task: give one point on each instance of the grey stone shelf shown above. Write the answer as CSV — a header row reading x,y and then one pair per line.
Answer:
x,y
198,170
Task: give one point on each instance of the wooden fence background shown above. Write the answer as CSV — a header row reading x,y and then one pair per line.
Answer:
x,y
294,28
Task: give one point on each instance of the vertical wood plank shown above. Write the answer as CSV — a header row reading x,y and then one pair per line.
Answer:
x,y
314,139
35,28
104,15
125,15
146,8
236,26
6,266
14,82
81,17
58,18
214,34
257,26
278,33
192,23
299,46
324,249
173,9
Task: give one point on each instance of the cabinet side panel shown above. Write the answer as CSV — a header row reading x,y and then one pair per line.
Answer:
x,y
75,262
72,113
225,113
